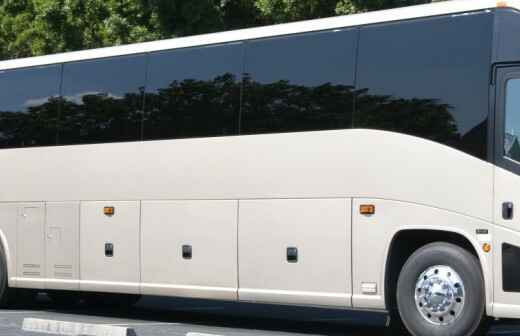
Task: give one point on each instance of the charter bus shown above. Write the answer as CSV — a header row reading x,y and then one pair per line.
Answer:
x,y
362,162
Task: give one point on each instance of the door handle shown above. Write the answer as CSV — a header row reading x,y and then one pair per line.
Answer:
x,y
187,251
292,254
507,210
109,250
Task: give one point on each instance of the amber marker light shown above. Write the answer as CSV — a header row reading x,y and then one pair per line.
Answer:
x,y
486,247
501,3
367,209
109,211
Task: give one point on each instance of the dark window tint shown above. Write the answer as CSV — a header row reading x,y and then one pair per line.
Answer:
x,y
194,92
299,83
510,269
29,106
103,100
512,120
507,29
428,78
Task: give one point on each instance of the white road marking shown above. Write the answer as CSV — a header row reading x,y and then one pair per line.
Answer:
x,y
73,328
200,334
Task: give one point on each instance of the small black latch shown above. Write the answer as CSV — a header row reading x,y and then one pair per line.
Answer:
x,y
186,251
292,254
109,250
507,210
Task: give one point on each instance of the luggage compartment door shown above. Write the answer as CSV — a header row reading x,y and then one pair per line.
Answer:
x,y
295,251
110,247
31,245
62,245
189,249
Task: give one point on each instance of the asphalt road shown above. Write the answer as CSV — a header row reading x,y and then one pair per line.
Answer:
x,y
172,317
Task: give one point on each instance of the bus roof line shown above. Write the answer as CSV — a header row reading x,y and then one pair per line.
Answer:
x,y
346,21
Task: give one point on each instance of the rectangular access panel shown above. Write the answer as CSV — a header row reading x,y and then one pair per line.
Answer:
x,y
295,251
31,245
109,235
62,245
190,248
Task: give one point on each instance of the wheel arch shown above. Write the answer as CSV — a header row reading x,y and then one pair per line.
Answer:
x,y
406,241
4,245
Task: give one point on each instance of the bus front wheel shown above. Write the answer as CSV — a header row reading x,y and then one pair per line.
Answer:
x,y
6,293
440,292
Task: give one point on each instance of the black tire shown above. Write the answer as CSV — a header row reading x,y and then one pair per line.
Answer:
x,y
471,318
6,293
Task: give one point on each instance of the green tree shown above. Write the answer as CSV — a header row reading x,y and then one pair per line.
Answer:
x,y
354,6
37,27
277,11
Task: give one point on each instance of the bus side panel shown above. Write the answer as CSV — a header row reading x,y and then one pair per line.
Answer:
x,y
295,251
189,249
8,237
372,236
109,252
30,223
62,245
334,164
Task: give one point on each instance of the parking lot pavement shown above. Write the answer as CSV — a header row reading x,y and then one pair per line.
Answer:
x,y
172,317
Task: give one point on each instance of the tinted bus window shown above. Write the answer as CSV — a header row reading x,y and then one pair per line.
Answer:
x,y
194,92
299,83
29,106
103,100
428,78
512,120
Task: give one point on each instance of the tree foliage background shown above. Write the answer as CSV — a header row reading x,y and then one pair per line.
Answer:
x,y
37,27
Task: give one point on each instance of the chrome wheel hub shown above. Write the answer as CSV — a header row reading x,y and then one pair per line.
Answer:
x,y
440,295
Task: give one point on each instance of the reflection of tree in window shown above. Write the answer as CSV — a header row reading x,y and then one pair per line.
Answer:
x,y
283,107
277,107
103,100
101,118
193,92
28,106
192,108
511,146
425,118
34,127
299,83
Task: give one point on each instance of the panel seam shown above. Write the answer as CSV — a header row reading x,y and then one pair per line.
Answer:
x,y
238,249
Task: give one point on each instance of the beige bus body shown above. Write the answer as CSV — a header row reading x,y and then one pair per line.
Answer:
x,y
241,201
